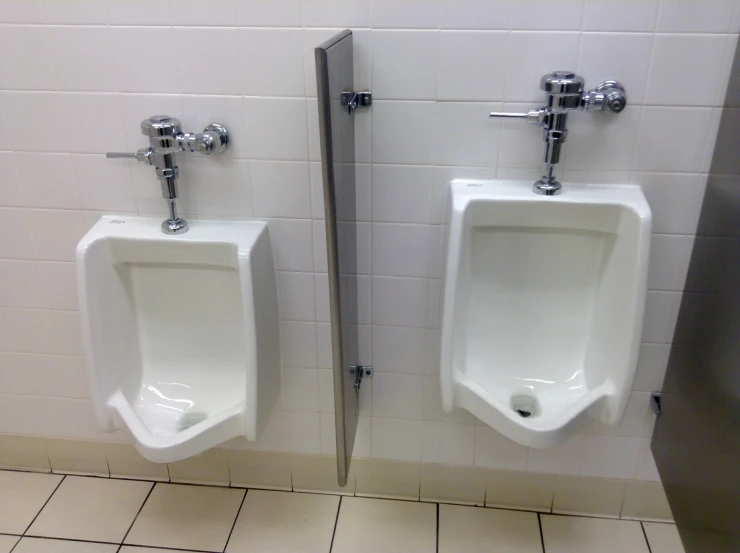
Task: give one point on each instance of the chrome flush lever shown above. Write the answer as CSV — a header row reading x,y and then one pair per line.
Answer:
x,y
565,93
166,138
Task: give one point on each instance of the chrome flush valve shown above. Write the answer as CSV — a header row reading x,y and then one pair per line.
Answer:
x,y
565,93
165,140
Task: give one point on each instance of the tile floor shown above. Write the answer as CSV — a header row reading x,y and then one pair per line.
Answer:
x,y
49,513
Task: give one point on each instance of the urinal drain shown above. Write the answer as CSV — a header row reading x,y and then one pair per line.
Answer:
x,y
525,405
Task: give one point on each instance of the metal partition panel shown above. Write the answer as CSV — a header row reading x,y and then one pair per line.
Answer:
x,y
696,443
335,75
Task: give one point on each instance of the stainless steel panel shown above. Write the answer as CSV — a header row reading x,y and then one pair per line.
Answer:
x,y
696,443
335,75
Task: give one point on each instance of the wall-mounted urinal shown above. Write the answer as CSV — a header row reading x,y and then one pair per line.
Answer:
x,y
181,331
543,305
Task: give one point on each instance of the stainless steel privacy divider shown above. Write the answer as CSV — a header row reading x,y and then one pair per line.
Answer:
x,y
337,102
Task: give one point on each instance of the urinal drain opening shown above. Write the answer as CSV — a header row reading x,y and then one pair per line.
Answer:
x,y
525,406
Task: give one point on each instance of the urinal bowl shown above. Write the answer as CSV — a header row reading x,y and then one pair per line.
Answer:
x,y
181,333
543,305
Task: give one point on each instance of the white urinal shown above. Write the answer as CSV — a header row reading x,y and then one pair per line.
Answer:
x,y
543,305
181,332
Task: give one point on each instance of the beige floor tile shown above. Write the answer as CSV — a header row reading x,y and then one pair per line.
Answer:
x,y
373,525
663,538
564,534
46,545
481,530
284,521
22,494
95,509
187,517
7,543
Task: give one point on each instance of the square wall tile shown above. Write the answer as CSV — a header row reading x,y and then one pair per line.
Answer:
x,y
210,467
403,132
400,249
404,64
670,53
563,534
396,439
387,479
685,16
672,139
448,484
480,530
187,517
200,72
465,135
421,14
318,474
401,194
95,509
617,15
272,62
461,56
520,490
24,452
646,501
269,13
448,443
284,521
260,469
283,128
22,494
281,189
611,457
77,457
399,301
372,525
496,451
125,462
588,496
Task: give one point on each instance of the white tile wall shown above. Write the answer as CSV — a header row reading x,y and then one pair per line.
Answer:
x,y
81,77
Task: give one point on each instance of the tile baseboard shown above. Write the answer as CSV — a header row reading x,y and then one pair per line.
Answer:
x,y
427,482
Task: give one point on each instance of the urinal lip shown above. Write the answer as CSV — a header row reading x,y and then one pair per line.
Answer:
x,y
466,191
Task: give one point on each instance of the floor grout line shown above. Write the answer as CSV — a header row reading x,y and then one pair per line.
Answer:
x,y
151,489
438,527
238,512
542,535
336,523
42,507
644,533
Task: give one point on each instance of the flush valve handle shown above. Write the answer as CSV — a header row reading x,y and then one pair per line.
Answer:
x,y
609,96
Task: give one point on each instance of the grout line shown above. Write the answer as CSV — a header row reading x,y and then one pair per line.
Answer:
x,y
137,513
437,550
542,536
647,541
336,523
238,512
44,505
